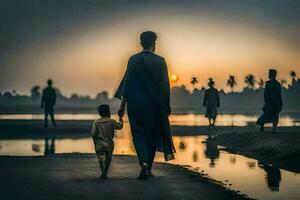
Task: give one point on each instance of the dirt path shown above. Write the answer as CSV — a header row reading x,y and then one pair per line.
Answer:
x,y
74,176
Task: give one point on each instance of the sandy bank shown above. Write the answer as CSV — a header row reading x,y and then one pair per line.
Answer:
x,y
281,149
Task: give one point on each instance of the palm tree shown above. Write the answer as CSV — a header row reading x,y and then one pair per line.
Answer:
x,y
231,82
250,81
261,83
194,81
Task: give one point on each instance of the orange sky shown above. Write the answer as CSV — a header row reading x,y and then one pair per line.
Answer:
x,y
92,58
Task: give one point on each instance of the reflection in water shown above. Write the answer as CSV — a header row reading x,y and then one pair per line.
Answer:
x,y
195,156
49,148
36,148
211,152
182,145
272,177
232,159
181,119
212,132
251,164
240,171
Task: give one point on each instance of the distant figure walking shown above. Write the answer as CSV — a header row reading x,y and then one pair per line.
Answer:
x,y
211,101
273,102
48,102
145,89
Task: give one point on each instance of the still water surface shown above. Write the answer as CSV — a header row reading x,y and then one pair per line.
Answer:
x,y
238,172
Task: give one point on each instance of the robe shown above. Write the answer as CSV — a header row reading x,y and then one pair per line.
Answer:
x,y
211,101
146,88
273,103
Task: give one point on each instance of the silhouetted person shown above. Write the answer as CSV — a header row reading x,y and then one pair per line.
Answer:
x,y
49,148
211,101
48,102
103,132
146,91
273,102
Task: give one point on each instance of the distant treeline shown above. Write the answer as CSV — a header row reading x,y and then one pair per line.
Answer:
x,y
250,100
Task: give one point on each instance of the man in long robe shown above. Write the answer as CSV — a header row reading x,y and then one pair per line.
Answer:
x,y
146,91
273,102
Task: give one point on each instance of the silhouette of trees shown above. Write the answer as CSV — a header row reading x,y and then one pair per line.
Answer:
x,y
250,81
7,94
261,83
231,82
102,96
35,92
194,81
74,97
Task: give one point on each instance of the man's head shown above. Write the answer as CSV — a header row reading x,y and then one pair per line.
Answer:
x,y
272,74
148,39
211,83
104,110
49,82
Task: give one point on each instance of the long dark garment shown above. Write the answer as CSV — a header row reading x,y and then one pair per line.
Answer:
x,y
273,103
146,88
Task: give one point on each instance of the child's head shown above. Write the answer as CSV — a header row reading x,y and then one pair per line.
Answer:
x,y
104,110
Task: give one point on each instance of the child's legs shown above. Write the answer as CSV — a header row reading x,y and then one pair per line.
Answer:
x,y
274,126
101,159
108,157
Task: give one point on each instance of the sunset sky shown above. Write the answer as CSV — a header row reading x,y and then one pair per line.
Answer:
x,y
84,45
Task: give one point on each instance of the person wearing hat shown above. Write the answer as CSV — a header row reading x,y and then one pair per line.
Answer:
x,y
273,102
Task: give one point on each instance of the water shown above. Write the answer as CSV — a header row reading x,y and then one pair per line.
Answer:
x,y
236,171
182,119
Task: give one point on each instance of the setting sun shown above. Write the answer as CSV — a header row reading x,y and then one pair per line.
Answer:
x,y
174,78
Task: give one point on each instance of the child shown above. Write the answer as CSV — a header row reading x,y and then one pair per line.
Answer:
x,y
102,134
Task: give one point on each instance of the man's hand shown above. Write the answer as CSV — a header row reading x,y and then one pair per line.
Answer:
x,y
122,108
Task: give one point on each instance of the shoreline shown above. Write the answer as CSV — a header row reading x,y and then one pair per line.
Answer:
x,y
281,149
11,129
38,177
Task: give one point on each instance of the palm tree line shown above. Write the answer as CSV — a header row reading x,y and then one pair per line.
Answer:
x,y
250,81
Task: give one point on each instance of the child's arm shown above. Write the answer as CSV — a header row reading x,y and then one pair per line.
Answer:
x,y
119,124
94,130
